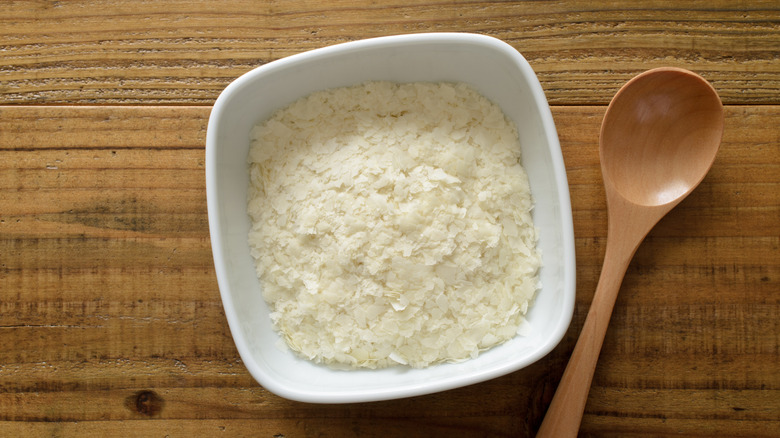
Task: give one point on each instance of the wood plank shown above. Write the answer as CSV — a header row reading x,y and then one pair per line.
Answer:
x,y
195,389
186,52
724,415
465,427
54,128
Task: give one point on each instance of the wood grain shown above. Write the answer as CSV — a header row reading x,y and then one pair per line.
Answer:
x,y
186,52
111,320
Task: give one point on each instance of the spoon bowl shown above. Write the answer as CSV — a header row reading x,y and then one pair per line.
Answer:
x,y
657,137
658,140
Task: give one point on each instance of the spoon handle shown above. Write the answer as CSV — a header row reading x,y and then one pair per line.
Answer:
x,y
568,404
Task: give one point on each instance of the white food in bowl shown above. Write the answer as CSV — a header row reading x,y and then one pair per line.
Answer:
x,y
391,224
497,71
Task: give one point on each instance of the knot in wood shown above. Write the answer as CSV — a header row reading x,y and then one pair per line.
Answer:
x,y
148,403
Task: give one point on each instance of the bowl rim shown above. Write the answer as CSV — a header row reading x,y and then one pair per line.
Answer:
x,y
215,224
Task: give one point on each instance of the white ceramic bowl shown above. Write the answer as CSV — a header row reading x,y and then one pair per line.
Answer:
x,y
492,67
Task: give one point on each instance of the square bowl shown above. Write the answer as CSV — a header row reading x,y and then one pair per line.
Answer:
x,y
490,66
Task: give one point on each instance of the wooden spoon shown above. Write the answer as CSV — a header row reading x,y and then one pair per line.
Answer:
x,y
658,140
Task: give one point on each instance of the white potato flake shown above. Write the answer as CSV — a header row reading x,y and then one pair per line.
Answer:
x,y
391,224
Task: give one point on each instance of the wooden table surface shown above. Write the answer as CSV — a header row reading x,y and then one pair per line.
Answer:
x,y
111,322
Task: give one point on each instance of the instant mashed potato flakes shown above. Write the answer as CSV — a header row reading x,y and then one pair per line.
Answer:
x,y
391,224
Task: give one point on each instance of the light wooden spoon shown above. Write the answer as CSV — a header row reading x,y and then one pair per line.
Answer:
x,y
658,140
